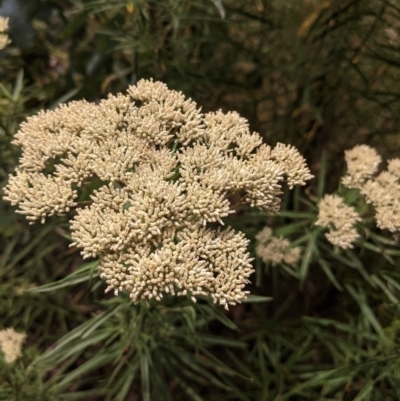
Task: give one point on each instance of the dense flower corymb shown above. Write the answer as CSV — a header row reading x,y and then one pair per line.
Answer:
x,y
11,344
362,163
276,249
384,194
340,219
4,40
159,176
381,190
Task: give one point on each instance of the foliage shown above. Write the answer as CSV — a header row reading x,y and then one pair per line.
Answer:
x,y
321,75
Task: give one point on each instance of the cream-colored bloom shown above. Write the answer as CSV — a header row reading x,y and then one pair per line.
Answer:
x,y
11,344
292,163
4,39
202,262
276,250
384,194
394,167
340,219
167,173
362,163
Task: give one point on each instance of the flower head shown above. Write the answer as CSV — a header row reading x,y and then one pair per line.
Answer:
x,y
362,163
340,219
11,344
4,39
276,250
166,178
384,194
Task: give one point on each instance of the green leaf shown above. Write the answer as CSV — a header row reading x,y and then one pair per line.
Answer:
x,y
127,378
384,288
93,363
297,215
365,393
80,275
308,256
322,177
327,270
215,312
391,280
343,327
74,336
256,298
19,84
226,342
360,298
32,245
357,264
65,97
145,376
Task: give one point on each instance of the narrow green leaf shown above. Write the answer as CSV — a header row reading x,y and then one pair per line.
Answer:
x,y
226,342
65,97
256,298
357,264
19,84
79,395
217,314
365,393
145,376
366,310
384,288
80,275
297,215
127,378
346,328
65,342
308,256
327,270
391,280
93,363
321,177
32,244
74,349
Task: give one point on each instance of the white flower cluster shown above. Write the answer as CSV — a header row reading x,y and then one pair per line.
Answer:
x,y
4,39
340,219
384,194
362,163
276,249
11,344
382,191
168,175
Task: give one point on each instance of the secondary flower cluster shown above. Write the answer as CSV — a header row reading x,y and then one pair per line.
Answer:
x,y
166,176
276,249
4,39
11,344
382,191
340,219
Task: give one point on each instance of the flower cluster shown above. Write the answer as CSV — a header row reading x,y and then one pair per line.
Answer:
x,y
4,39
381,190
166,176
340,219
11,344
383,193
362,163
276,250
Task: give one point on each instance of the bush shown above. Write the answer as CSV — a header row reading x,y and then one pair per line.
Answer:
x,y
319,316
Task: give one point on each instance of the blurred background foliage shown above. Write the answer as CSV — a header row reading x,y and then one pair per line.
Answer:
x,y
322,75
